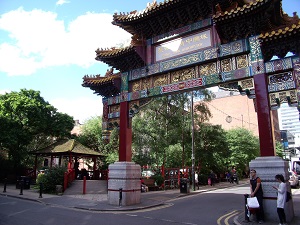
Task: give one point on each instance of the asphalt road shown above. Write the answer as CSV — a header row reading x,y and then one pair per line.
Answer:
x,y
215,207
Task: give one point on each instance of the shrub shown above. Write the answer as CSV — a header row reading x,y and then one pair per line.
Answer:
x,y
158,179
52,177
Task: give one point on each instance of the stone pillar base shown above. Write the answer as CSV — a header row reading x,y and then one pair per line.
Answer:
x,y
266,168
124,184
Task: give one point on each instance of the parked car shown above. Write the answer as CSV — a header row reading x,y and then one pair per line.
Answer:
x,y
147,173
294,180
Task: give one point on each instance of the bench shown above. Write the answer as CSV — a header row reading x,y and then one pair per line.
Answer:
x,y
150,183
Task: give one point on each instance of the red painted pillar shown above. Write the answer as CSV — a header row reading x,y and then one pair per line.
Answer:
x,y
70,162
125,136
264,116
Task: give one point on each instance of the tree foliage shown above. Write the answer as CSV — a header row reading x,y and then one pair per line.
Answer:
x,y
91,134
162,131
243,147
27,120
211,148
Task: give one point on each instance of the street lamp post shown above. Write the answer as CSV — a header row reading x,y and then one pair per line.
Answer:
x,y
193,151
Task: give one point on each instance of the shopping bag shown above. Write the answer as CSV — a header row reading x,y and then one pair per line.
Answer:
x,y
209,181
252,203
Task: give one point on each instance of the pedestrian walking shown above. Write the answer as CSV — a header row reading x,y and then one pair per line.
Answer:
x,y
196,180
257,191
281,198
212,177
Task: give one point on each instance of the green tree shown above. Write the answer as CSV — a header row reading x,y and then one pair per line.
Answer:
x,y
162,131
211,148
279,149
91,134
243,147
27,119
111,149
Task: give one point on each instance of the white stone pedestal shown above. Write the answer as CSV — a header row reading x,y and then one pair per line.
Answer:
x,y
124,183
266,168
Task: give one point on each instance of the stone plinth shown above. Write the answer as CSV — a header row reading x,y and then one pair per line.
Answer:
x,y
266,168
125,176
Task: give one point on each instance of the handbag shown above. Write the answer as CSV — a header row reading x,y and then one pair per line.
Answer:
x,y
252,203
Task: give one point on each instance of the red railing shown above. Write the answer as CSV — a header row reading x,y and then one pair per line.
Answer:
x,y
68,178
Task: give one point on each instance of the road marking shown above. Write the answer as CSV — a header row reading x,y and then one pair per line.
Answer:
x,y
226,220
18,212
228,214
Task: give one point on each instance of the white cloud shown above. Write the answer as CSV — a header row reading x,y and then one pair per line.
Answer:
x,y
81,109
61,2
2,92
38,40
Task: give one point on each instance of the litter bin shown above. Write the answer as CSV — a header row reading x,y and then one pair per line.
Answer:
x,y
25,180
184,185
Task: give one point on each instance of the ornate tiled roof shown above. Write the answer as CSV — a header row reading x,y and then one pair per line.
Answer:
x,y
288,33
286,30
235,9
65,147
158,18
105,86
123,59
242,18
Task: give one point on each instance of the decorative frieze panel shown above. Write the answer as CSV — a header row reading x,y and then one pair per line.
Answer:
x,y
114,111
134,95
160,80
226,65
208,69
211,79
277,98
258,67
182,61
124,80
153,69
255,50
182,75
105,109
114,108
113,100
182,85
146,83
136,85
280,82
279,65
296,62
233,48
246,84
210,53
241,62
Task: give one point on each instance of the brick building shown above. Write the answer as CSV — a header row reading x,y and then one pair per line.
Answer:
x,y
231,110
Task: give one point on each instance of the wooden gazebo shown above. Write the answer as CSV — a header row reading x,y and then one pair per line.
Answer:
x,y
68,148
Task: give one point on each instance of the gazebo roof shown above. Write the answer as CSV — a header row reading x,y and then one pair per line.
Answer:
x,y
67,147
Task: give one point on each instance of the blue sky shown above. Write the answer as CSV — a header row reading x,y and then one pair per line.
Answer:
x,y
50,45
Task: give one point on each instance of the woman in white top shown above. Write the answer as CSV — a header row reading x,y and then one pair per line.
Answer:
x,y
281,198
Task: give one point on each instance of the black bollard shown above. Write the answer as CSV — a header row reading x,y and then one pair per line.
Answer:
x,y
246,209
21,186
5,182
120,197
41,190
